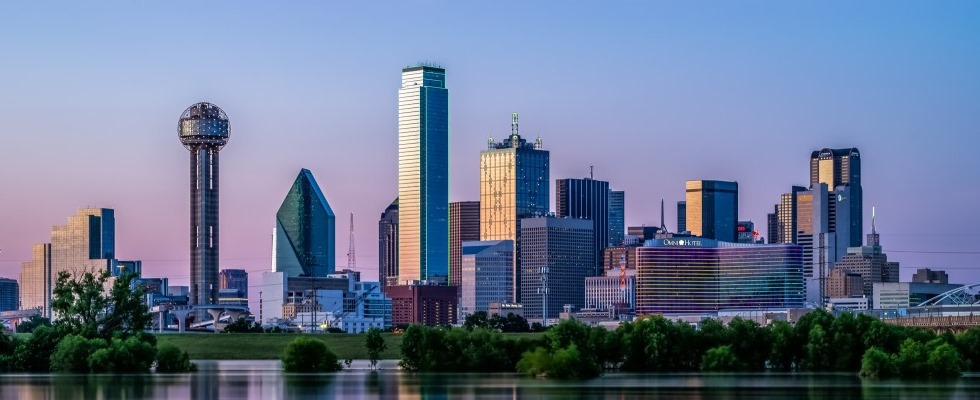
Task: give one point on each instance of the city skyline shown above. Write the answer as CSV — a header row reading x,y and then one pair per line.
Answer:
x,y
824,97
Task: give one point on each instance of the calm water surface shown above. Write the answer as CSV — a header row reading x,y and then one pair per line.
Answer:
x,y
264,380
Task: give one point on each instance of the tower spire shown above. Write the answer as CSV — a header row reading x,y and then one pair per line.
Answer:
x,y
513,124
874,230
351,258
663,226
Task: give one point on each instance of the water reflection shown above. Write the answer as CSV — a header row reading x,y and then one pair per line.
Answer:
x,y
263,380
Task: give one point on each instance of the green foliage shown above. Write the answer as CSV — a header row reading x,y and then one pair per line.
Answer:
x,y
72,354
818,354
721,359
750,344
375,345
428,349
130,355
34,354
912,359
32,323
8,348
968,344
172,359
309,355
781,354
945,362
563,363
877,364
241,325
479,319
84,308
510,324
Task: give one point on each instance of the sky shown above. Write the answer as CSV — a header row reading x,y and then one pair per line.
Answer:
x,y
649,93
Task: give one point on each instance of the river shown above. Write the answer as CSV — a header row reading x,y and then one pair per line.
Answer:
x,y
264,380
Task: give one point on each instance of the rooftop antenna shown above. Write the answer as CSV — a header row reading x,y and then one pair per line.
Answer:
x,y
663,227
873,229
591,176
513,124
351,258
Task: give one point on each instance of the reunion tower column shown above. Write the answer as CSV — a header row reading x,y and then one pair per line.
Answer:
x,y
204,129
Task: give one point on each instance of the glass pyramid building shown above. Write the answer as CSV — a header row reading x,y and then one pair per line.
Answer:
x,y
303,242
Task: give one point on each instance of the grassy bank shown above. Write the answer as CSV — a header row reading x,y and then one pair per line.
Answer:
x,y
270,346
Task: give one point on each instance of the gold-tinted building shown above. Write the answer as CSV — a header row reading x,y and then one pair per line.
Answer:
x,y
712,209
514,184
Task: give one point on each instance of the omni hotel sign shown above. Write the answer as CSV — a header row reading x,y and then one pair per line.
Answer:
x,y
686,242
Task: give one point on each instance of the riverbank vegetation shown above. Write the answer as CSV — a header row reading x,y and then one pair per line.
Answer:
x,y
818,342
97,330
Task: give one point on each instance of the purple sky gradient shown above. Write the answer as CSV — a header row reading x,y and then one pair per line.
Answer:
x,y
651,94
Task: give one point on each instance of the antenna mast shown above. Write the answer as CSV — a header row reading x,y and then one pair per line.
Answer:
x,y
351,258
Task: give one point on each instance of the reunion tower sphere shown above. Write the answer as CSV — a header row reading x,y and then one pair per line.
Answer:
x,y
204,129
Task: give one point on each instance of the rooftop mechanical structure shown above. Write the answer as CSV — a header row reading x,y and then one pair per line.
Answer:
x,y
204,129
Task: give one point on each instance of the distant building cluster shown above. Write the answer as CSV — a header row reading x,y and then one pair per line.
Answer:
x,y
505,252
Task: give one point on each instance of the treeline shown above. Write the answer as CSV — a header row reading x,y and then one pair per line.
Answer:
x,y
818,342
97,331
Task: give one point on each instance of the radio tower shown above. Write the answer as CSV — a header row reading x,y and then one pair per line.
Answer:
x,y
351,259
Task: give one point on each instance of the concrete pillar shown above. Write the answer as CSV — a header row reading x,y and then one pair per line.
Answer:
x,y
234,314
181,315
215,313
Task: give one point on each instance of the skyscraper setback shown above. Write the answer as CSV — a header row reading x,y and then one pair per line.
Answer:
x,y
514,179
204,129
423,175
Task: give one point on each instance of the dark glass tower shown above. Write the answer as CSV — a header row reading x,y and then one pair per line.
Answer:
x,y
586,199
204,129
304,238
464,226
388,245
712,209
617,217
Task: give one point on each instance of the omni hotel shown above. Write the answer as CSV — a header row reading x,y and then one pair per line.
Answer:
x,y
694,275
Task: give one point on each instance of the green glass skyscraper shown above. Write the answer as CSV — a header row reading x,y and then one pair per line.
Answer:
x,y
423,175
303,242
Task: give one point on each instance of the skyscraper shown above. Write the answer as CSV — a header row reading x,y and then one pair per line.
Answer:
x,y
388,245
557,256
712,209
423,175
617,217
783,227
487,271
586,199
204,129
870,262
304,240
236,279
464,226
87,243
842,167
681,216
514,178
9,295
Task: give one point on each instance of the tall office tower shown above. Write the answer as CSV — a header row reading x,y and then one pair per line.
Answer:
x,y
487,271
822,231
617,217
784,230
234,279
681,216
836,168
35,280
204,129
772,226
464,226
557,255
85,244
514,177
423,175
9,295
586,199
388,245
303,242
712,209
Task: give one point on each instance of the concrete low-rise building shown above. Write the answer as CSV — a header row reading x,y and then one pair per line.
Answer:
x,y
896,295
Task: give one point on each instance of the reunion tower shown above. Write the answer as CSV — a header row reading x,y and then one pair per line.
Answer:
x,y
203,129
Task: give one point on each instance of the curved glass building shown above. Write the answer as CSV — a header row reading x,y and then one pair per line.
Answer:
x,y
204,129
694,275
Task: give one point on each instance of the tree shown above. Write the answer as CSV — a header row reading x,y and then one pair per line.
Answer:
x,y
72,353
130,355
241,325
945,362
32,323
877,364
34,354
721,359
750,343
309,355
478,319
8,348
912,359
375,345
172,359
84,308
782,355
818,353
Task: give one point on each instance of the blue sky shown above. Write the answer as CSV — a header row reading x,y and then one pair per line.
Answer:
x,y
650,93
